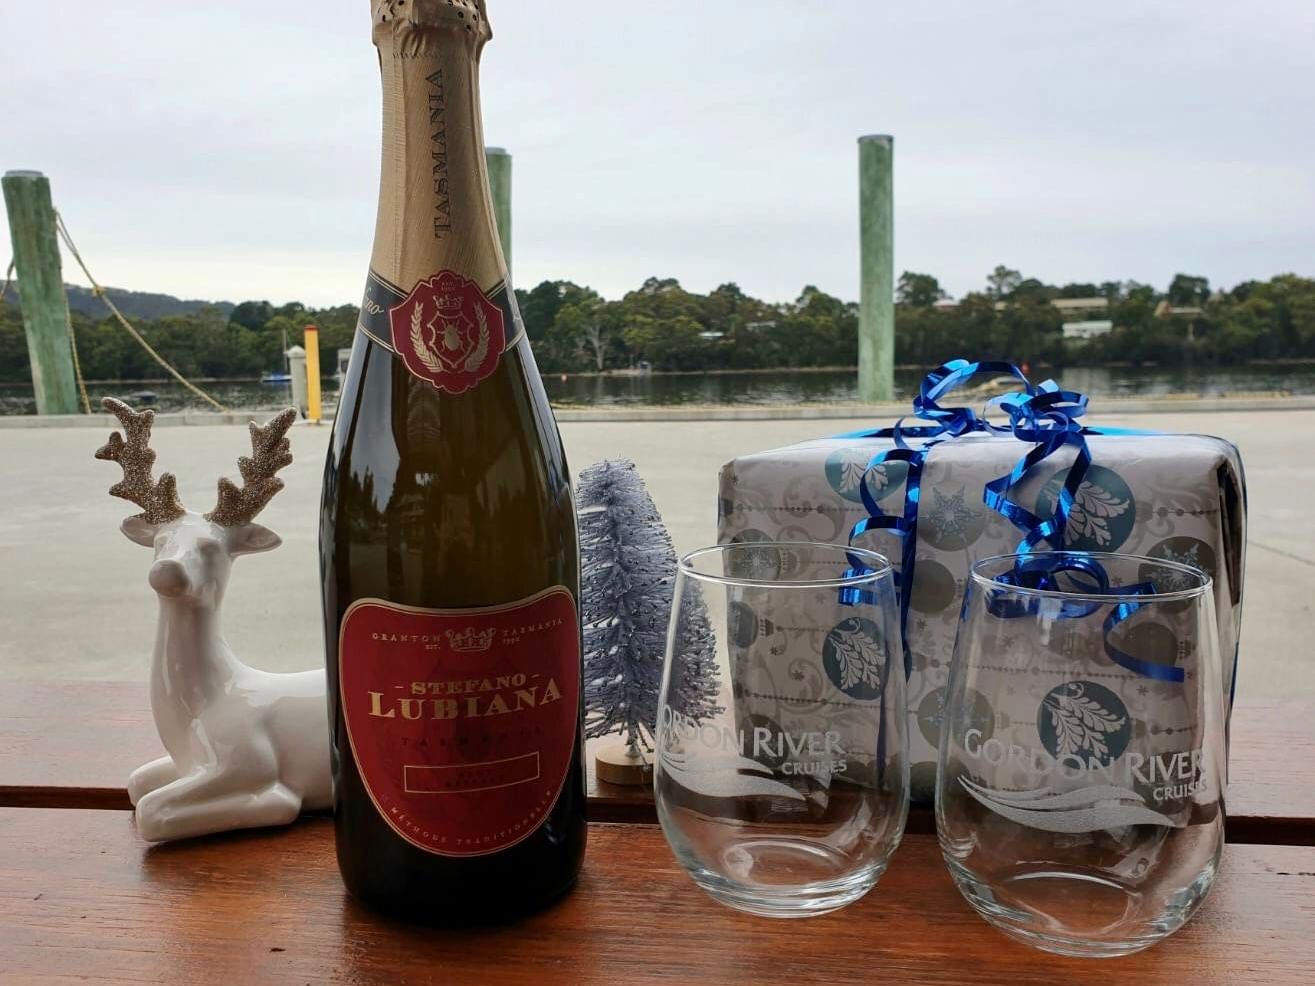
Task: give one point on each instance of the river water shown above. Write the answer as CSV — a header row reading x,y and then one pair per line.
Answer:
x,y
773,387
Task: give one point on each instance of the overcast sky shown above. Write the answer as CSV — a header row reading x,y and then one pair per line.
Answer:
x,y
231,150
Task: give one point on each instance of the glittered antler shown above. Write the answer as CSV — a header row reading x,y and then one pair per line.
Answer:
x,y
270,452
158,499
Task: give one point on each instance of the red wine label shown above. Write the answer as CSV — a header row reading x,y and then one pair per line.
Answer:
x,y
462,722
448,332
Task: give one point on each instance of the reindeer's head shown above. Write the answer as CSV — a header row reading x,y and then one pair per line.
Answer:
x,y
193,552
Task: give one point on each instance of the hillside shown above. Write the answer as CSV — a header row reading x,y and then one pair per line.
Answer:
x,y
134,304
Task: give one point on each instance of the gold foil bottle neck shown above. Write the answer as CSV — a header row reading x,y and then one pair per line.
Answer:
x,y
405,24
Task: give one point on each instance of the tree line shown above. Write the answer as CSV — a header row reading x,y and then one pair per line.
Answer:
x,y
661,324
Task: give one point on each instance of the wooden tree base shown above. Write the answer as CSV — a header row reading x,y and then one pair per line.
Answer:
x,y
615,764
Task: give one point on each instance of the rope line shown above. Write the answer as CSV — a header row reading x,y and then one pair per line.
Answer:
x,y
9,277
77,368
99,291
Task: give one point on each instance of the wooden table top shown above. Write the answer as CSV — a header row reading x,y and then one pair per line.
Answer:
x,y
84,897
73,744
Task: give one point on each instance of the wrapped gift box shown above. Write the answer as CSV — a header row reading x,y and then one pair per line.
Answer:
x,y
1176,497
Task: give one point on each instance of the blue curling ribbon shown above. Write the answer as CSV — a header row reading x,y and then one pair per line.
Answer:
x,y
1147,669
945,422
1047,417
1044,416
1041,572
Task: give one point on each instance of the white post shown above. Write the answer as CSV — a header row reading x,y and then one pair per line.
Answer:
x,y
297,368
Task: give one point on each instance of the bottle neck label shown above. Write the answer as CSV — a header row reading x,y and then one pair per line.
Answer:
x,y
462,722
437,294
446,329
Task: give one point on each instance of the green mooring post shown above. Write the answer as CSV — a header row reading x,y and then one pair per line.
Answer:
x,y
41,290
498,162
876,305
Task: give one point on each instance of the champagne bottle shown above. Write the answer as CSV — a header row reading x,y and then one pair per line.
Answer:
x,y
447,531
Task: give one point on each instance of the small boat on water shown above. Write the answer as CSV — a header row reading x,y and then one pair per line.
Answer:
x,y
144,398
275,377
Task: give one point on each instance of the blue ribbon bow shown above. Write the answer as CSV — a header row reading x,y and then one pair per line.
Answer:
x,y
1045,417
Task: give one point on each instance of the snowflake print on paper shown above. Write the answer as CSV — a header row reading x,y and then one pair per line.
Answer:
x,y
1188,557
1171,580
1181,550
949,513
975,711
950,521
760,564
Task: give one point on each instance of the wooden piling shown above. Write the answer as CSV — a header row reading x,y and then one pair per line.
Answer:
x,y
876,311
41,290
498,162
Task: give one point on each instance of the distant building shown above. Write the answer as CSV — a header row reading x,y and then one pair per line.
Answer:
x,y
1166,310
1071,306
1191,314
1081,306
1083,331
711,334
945,304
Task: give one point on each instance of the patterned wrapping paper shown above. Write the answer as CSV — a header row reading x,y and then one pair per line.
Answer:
x,y
1176,497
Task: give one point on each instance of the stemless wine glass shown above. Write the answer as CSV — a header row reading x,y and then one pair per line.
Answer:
x,y
786,793
1079,797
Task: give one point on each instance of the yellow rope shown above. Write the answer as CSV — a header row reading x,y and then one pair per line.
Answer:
x,y
77,369
99,291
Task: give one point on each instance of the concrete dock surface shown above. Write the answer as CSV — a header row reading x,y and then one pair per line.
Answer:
x,y
75,604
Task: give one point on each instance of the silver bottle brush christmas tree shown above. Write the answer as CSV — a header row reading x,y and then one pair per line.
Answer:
x,y
628,566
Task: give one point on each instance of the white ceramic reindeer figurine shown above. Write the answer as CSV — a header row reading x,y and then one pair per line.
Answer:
x,y
246,747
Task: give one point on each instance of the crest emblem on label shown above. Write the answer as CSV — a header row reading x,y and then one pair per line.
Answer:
x,y
448,332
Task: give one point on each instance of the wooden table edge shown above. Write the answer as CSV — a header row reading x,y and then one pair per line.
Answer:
x,y
1246,830
87,767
